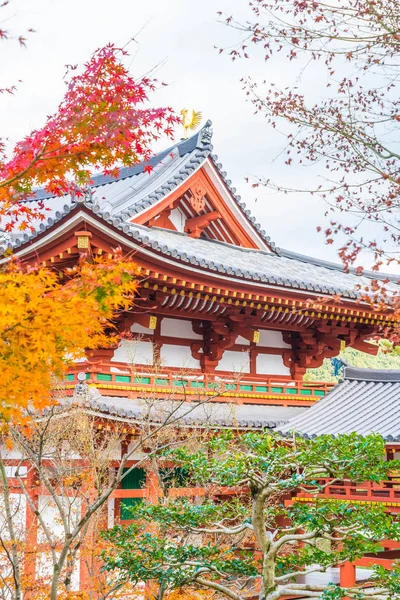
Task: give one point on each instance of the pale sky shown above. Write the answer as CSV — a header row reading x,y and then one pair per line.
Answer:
x,y
179,36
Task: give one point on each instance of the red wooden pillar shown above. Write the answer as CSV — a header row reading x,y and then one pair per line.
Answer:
x,y
347,575
154,490
31,528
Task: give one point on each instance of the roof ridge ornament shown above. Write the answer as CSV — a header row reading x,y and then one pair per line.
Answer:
x,y
190,120
206,133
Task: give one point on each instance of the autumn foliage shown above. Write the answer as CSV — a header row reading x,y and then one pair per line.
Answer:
x,y
101,124
48,320
345,124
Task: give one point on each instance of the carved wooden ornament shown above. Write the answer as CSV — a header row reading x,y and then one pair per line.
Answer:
x,y
197,198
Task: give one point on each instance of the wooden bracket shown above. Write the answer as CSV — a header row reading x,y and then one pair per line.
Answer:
x,y
162,220
252,335
217,337
195,226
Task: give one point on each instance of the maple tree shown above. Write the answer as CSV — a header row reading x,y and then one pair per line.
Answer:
x,y
253,542
352,130
47,322
48,319
100,125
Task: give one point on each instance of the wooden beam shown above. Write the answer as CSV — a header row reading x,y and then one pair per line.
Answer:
x,y
195,225
145,320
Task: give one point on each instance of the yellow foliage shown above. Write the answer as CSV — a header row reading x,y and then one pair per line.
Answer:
x,y
190,594
74,596
49,319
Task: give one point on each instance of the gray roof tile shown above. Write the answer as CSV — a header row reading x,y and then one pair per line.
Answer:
x,y
117,199
135,189
216,414
286,270
367,401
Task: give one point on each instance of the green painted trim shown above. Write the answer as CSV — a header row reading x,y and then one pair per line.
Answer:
x,y
103,377
305,392
197,384
142,379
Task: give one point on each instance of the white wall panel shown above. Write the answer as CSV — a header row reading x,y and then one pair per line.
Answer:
x,y
271,364
136,328
178,219
179,328
272,339
136,455
238,362
52,519
178,356
11,471
44,569
110,512
134,352
18,509
7,453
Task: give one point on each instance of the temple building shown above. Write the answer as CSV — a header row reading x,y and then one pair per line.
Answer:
x,y
218,301
220,313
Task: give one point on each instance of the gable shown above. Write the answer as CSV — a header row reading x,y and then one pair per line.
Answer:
x,y
203,207
185,190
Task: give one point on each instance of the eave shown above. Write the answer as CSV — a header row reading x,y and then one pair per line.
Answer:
x,y
164,268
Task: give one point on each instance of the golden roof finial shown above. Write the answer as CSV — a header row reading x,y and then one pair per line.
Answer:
x,y
190,120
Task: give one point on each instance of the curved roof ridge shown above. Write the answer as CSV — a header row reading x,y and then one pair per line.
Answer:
x,y
129,193
184,146
376,375
319,262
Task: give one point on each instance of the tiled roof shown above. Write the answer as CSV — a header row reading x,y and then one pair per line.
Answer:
x,y
215,414
286,270
117,200
367,401
135,189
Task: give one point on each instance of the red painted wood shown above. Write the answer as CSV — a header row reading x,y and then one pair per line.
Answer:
x,y
347,575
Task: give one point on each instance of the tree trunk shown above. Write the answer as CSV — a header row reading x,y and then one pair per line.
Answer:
x,y
54,582
268,584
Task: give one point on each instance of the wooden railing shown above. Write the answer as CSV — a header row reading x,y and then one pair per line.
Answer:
x,y
174,492
386,492
255,389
